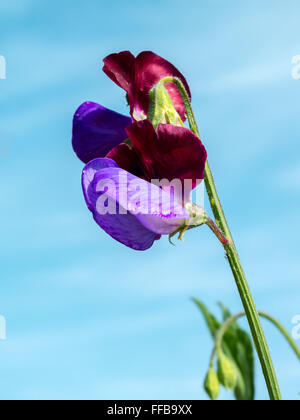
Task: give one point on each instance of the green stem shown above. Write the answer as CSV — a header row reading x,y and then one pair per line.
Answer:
x,y
234,261
283,332
244,291
229,321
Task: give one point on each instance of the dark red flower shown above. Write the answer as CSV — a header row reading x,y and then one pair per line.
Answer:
x,y
138,75
170,152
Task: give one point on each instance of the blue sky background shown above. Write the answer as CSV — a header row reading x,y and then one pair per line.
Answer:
x,y
88,318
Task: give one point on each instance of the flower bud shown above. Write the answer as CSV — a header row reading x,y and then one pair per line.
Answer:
x,y
212,385
226,371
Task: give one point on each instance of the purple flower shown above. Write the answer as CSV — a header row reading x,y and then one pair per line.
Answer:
x,y
103,180
137,190
119,192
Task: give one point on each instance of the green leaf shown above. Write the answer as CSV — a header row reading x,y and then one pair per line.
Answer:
x,y
225,310
238,345
243,354
240,390
211,321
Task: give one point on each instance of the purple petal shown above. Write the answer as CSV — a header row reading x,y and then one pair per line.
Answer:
x,y
125,228
138,210
155,208
97,130
88,174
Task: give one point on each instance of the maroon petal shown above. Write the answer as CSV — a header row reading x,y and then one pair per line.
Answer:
x,y
124,156
181,153
137,76
144,138
120,69
149,69
172,152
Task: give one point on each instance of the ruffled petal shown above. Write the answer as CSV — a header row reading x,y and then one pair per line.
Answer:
x,y
89,172
137,76
149,69
97,130
125,157
154,208
171,152
119,68
140,210
125,228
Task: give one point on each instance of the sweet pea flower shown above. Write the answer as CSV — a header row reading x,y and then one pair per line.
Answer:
x,y
121,190
96,129
137,76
